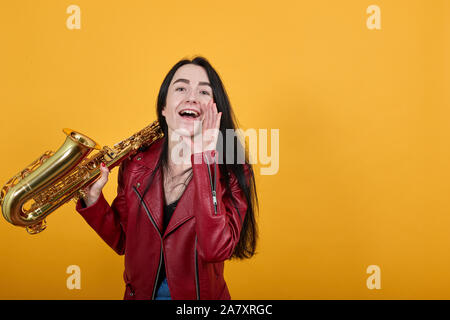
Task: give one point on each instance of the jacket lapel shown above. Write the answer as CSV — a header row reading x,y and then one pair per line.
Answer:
x,y
184,210
154,198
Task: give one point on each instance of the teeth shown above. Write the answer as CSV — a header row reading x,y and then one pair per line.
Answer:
x,y
189,112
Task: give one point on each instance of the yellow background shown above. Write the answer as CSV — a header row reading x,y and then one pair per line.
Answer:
x,y
364,175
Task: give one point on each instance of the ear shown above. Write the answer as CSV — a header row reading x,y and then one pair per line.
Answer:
x,y
163,111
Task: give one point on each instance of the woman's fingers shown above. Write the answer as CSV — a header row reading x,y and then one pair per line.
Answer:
x,y
213,114
210,114
214,109
100,183
210,125
214,117
218,118
206,120
105,172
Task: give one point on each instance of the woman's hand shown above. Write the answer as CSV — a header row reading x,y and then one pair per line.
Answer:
x,y
206,133
210,129
94,190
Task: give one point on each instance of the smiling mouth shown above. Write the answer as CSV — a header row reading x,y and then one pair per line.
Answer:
x,y
189,114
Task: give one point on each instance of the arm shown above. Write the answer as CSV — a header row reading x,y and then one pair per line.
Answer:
x,y
218,226
108,221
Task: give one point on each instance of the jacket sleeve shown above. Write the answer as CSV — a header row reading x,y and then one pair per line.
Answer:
x,y
219,219
108,221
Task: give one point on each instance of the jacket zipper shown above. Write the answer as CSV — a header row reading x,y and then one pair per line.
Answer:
x,y
197,285
213,187
161,250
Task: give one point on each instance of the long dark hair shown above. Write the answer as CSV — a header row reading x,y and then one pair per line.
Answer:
x,y
246,246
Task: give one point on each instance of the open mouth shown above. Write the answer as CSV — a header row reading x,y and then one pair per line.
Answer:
x,y
189,113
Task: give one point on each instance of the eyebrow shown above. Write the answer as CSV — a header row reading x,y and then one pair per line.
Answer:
x,y
187,81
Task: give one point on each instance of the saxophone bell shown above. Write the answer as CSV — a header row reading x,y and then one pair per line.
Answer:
x,y
57,177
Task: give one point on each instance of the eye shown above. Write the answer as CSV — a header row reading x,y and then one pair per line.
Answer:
x,y
180,89
204,92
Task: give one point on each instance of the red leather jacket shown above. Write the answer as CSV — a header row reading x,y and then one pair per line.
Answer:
x,y
200,236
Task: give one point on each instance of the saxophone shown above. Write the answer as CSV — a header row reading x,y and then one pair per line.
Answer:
x,y
57,177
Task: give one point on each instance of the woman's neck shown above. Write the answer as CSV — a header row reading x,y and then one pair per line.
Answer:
x,y
178,155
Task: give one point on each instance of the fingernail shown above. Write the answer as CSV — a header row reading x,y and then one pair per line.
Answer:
x,y
103,164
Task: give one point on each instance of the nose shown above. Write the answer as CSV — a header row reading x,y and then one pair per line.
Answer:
x,y
192,98
192,101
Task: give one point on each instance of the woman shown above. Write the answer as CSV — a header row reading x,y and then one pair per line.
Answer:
x,y
179,212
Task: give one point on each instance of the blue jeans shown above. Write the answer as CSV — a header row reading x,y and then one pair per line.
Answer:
x,y
163,292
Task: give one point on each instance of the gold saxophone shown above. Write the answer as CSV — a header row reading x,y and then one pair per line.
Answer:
x,y
57,177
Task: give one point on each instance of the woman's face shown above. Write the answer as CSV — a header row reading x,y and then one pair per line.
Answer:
x,y
189,93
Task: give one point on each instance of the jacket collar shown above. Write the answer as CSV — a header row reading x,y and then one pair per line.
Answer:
x,y
149,158
154,198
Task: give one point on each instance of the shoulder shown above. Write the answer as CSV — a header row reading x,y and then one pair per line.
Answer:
x,y
143,160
